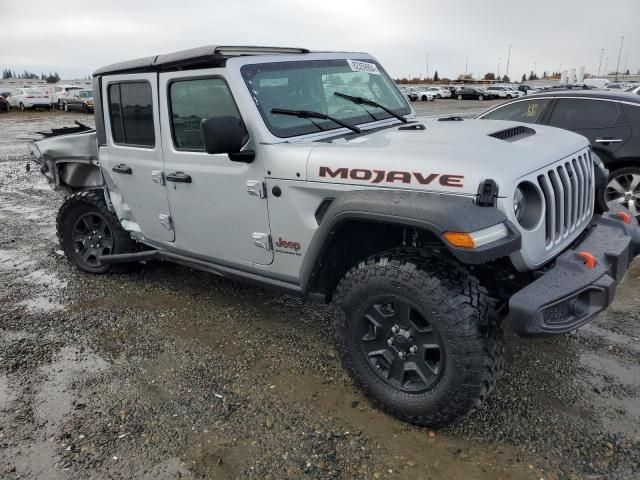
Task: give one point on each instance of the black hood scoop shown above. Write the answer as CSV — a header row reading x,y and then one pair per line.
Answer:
x,y
513,134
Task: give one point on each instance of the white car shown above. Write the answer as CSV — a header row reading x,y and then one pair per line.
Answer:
x,y
24,98
504,91
425,94
439,92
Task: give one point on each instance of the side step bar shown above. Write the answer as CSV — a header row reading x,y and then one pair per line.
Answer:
x,y
221,270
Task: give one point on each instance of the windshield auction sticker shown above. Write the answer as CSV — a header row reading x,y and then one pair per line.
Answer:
x,y
366,67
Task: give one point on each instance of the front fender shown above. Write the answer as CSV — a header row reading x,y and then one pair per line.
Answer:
x,y
436,213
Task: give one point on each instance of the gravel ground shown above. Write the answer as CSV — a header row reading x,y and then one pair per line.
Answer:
x,y
165,372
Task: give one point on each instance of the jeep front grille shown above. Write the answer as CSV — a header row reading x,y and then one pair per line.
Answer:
x,y
569,195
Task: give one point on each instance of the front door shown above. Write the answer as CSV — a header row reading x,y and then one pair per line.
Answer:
x,y
132,157
218,206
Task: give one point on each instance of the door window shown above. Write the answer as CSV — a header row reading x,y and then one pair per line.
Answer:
x,y
574,114
131,114
192,101
633,113
528,112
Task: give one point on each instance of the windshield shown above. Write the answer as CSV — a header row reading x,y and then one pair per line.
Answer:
x,y
310,85
86,94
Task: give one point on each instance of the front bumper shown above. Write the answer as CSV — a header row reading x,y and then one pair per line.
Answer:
x,y
571,293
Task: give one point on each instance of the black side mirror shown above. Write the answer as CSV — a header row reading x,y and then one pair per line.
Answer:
x,y
226,135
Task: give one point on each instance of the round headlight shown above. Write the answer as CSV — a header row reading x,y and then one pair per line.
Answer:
x,y
518,203
527,205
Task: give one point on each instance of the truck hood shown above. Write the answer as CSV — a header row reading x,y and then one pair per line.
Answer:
x,y
444,156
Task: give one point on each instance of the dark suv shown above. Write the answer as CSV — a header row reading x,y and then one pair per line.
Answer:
x,y
611,122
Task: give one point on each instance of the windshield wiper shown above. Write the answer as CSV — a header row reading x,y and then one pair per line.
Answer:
x,y
311,114
366,101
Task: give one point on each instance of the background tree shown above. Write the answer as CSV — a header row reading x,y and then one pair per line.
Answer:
x,y
506,79
524,77
436,77
490,76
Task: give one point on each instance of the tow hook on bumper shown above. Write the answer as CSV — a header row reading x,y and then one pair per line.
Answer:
x,y
583,281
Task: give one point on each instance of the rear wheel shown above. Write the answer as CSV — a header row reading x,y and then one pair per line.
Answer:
x,y
624,188
480,97
66,107
88,230
422,340
21,107
508,97
459,97
424,98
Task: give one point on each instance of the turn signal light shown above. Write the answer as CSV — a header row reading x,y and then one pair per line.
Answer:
x,y
624,216
461,240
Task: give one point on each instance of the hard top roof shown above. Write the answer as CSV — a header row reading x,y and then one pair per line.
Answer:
x,y
209,56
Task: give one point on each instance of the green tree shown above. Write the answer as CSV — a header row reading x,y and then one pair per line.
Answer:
x,y
436,77
524,77
490,76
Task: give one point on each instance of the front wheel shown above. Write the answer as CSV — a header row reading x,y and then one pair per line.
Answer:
x,y
480,97
459,97
87,230
508,97
21,107
66,107
623,188
421,339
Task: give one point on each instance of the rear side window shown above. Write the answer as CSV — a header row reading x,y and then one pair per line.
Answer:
x,y
632,112
131,114
528,112
193,101
573,114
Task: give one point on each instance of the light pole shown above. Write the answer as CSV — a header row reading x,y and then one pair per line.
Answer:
x,y
508,60
427,65
535,64
606,65
600,64
499,60
624,70
619,54
466,67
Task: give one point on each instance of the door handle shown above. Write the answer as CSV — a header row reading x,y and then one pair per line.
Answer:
x,y
178,177
122,168
609,140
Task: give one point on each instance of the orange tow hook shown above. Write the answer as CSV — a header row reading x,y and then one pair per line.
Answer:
x,y
588,259
624,216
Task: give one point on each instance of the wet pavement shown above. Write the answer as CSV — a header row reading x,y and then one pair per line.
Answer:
x,y
164,372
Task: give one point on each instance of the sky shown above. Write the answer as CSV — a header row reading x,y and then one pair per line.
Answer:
x,y
76,38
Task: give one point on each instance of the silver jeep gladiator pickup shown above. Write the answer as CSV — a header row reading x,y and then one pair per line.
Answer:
x,y
309,172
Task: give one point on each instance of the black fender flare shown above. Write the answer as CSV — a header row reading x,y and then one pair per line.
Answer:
x,y
434,212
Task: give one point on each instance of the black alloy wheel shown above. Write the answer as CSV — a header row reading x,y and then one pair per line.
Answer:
x,y
92,237
401,345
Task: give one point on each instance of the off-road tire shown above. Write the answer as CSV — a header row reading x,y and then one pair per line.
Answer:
x,y
458,308
79,204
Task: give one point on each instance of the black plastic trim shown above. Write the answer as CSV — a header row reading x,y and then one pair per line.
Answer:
x,y
436,213
570,294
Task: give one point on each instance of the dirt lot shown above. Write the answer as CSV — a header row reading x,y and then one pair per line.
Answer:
x,y
165,372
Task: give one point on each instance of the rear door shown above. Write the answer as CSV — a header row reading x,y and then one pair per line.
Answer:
x,y
133,155
601,121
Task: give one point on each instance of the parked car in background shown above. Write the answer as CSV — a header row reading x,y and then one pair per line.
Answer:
x,y
61,91
410,94
439,92
4,105
424,94
78,100
527,89
474,94
24,98
616,86
611,122
635,90
502,91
